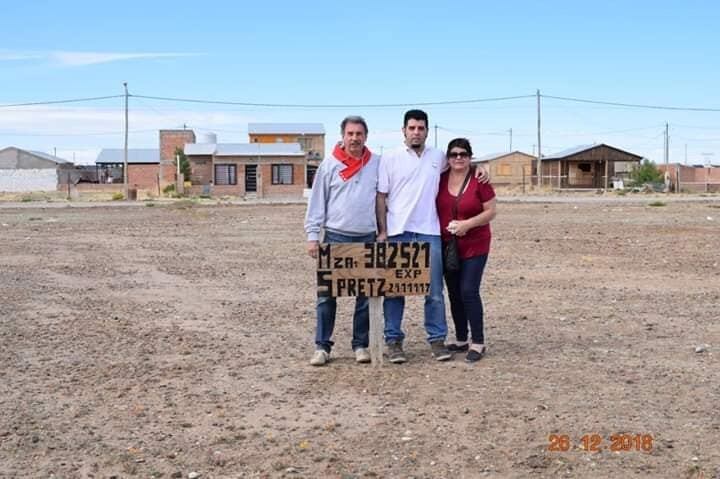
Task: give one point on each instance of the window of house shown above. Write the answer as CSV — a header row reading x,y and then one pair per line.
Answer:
x,y
282,174
585,167
226,174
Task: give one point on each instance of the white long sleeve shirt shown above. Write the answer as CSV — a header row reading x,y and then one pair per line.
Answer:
x,y
346,207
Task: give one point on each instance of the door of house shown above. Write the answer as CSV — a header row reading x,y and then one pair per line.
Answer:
x,y
250,178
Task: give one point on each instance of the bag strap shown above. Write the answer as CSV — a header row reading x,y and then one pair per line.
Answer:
x,y
462,189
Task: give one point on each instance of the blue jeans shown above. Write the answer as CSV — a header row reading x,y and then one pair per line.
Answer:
x,y
465,302
327,306
435,324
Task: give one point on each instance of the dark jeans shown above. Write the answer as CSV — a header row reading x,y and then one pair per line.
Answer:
x,y
465,303
327,306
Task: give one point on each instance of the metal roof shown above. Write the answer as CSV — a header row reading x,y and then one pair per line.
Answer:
x,y
244,149
49,157
581,148
135,155
494,156
286,129
199,148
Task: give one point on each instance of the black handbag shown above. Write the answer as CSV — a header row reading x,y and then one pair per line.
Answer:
x,y
451,253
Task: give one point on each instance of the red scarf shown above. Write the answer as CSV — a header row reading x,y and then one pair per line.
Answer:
x,y
352,164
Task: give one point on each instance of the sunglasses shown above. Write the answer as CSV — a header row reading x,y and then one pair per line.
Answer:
x,y
458,154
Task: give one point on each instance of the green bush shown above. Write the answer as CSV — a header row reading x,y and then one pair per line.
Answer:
x,y
656,203
118,196
647,172
169,189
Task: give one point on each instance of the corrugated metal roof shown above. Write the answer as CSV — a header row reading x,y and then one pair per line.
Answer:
x,y
259,149
244,149
199,148
569,151
135,155
581,148
49,157
286,128
493,156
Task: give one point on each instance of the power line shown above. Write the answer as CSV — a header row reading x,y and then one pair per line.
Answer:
x,y
369,105
631,105
55,102
96,133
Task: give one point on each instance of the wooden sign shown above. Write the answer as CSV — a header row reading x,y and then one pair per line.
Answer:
x,y
373,269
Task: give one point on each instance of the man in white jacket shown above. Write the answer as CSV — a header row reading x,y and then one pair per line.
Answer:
x,y
342,204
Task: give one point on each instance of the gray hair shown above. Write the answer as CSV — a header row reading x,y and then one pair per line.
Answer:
x,y
358,120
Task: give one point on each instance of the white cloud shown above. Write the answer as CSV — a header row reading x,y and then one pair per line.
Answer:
x,y
94,58
74,58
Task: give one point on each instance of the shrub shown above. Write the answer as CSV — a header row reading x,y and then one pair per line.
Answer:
x,y
647,172
118,196
656,203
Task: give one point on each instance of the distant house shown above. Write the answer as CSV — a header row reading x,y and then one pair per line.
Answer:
x,y
149,169
587,166
509,168
26,170
693,178
242,169
143,167
310,136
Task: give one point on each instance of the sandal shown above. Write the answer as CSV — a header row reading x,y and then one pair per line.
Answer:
x,y
474,355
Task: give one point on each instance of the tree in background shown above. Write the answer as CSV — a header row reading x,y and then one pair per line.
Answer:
x,y
647,172
184,163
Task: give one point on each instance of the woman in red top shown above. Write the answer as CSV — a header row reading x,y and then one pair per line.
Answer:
x,y
471,226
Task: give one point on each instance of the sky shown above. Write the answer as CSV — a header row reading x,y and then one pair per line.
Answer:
x,y
365,53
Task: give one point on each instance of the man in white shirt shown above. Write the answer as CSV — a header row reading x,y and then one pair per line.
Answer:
x,y
342,204
407,187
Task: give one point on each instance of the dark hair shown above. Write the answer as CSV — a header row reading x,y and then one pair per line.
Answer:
x,y
358,120
418,115
463,143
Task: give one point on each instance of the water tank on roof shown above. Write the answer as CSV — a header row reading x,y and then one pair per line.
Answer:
x,y
210,138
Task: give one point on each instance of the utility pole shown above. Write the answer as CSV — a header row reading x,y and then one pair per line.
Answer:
x,y
539,143
510,131
125,151
436,128
667,145
54,150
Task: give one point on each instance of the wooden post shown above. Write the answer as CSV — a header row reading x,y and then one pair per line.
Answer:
x,y
376,331
607,168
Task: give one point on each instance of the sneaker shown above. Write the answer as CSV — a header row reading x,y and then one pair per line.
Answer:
x,y
439,351
320,358
395,353
362,355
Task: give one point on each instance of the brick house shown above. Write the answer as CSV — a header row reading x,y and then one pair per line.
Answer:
x,y
149,169
693,178
247,169
143,167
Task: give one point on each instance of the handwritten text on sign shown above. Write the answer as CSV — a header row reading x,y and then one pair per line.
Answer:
x,y
373,269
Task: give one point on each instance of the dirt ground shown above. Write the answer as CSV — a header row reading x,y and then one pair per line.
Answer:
x,y
170,340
